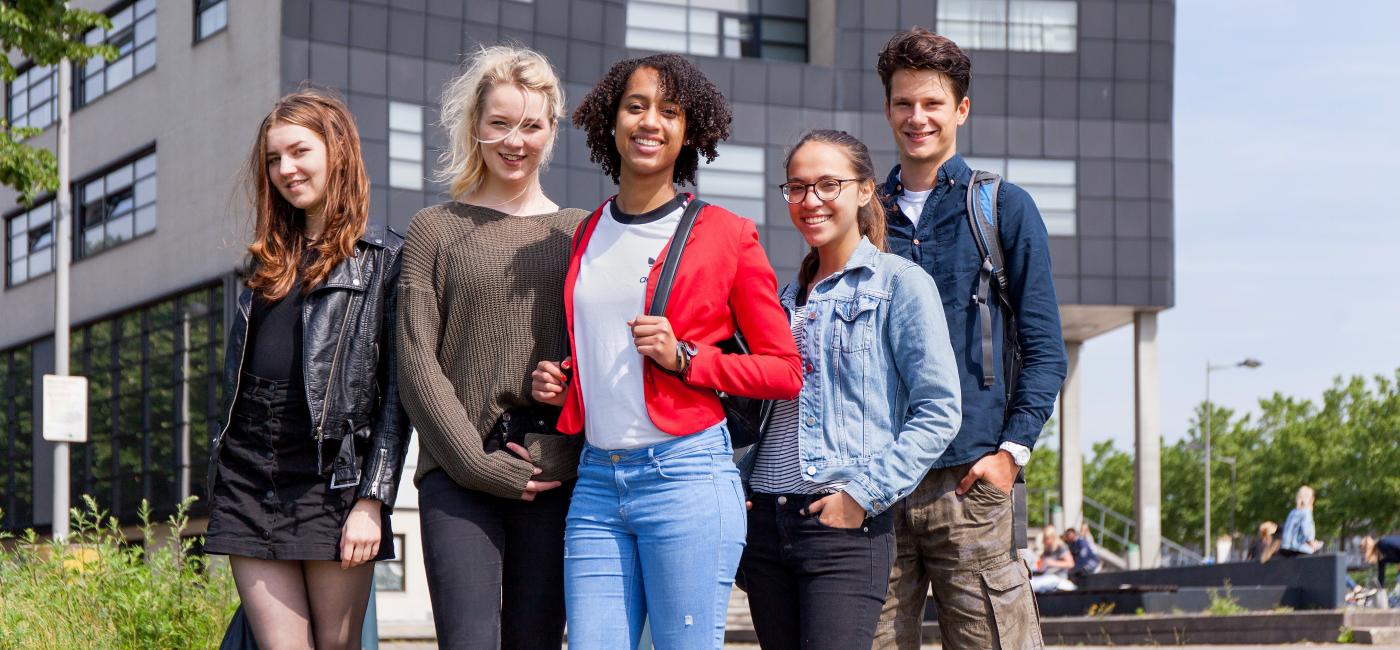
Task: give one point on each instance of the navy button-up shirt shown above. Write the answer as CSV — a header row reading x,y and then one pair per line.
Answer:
x,y
943,245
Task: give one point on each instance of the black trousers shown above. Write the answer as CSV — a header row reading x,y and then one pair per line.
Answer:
x,y
810,585
495,566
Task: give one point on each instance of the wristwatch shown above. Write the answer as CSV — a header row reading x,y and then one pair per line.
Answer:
x,y
687,351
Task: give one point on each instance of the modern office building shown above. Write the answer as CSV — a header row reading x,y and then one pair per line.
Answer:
x,y
1072,99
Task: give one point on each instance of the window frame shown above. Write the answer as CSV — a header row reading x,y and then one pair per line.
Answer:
x,y
400,543
1007,24
199,16
22,211
80,248
25,69
1006,164
81,73
687,34
417,135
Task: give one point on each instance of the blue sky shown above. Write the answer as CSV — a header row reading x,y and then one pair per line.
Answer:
x,y
1287,180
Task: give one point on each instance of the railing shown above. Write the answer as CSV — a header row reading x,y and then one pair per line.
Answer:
x,y
1109,525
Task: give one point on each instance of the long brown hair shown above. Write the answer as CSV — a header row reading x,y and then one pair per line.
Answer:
x,y
279,238
871,216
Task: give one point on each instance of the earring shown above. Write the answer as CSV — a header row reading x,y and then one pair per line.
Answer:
x,y
687,143
613,131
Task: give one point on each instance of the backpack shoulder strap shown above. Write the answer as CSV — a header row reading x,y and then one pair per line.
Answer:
x,y
673,257
983,218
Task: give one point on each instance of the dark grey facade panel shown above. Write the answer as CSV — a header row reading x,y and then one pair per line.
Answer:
x,y
1106,105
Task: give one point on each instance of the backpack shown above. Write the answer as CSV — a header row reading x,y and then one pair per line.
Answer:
x,y
983,217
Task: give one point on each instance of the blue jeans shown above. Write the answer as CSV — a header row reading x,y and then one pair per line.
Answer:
x,y
654,532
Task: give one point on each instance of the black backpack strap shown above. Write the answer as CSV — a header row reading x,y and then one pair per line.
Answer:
x,y
983,218
673,257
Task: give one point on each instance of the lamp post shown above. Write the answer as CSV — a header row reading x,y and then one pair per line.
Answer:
x,y
1250,363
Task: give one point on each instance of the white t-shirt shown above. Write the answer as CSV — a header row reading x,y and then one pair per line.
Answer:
x,y
911,203
611,290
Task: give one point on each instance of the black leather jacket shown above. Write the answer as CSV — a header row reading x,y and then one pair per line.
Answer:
x,y
350,363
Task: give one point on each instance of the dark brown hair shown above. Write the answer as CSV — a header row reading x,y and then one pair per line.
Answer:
x,y
279,239
706,113
871,217
921,49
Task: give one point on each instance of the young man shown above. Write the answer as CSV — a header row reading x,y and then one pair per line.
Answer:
x,y
955,529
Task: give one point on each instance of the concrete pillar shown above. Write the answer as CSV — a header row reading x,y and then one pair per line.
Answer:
x,y
1148,474
1071,456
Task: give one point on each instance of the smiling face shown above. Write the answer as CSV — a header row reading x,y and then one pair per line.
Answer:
x,y
296,165
649,130
924,114
514,132
827,222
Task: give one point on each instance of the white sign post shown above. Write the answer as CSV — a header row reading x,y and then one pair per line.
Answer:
x,y
65,408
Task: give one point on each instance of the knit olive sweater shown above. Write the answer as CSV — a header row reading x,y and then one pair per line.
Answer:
x,y
481,301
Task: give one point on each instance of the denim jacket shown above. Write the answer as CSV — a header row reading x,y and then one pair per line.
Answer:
x,y
880,399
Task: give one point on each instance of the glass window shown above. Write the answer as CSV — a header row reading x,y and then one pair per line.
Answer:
x,y
389,574
154,379
133,33
727,28
210,17
116,205
405,146
16,438
33,97
1019,25
1052,184
30,238
734,180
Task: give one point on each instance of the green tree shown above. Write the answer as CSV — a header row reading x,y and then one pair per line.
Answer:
x,y
46,32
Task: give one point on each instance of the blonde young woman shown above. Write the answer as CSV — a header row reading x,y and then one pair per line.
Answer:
x,y
482,304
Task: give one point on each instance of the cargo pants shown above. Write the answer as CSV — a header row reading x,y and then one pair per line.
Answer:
x,y
962,546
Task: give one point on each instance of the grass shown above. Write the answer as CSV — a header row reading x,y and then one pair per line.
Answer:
x,y
1224,604
100,592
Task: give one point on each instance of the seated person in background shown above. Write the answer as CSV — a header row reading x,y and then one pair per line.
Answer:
x,y
1086,558
1299,530
1264,547
1053,567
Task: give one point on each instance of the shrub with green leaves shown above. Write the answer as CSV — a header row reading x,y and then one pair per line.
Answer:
x,y
100,592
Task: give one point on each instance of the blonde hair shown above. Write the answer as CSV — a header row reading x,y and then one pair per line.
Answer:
x,y
461,164
1305,498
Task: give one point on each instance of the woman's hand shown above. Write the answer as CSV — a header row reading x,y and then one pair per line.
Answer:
x,y
655,340
838,511
359,537
548,383
532,488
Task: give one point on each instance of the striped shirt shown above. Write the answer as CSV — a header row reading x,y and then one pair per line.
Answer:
x,y
777,469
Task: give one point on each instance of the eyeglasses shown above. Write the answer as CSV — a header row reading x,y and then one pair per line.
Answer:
x,y
827,189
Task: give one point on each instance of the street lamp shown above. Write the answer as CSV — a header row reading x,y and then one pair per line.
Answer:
x,y
1250,363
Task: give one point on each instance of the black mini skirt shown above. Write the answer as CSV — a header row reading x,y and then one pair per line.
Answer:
x,y
272,498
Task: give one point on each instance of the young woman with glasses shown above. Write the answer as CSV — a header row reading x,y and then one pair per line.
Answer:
x,y
879,404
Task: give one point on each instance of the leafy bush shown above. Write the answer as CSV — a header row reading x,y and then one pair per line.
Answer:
x,y
98,591
1224,604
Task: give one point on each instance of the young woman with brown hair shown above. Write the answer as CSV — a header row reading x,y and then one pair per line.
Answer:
x,y
303,473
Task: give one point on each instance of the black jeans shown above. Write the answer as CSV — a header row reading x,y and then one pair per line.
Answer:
x,y
495,566
810,585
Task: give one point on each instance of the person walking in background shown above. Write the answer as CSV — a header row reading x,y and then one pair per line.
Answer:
x,y
1054,565
1381,552
879,406
481,303
304,471
1264,548
955,530
1299,531
657,523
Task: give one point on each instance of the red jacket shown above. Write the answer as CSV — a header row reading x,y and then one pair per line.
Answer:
x,y
724,278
